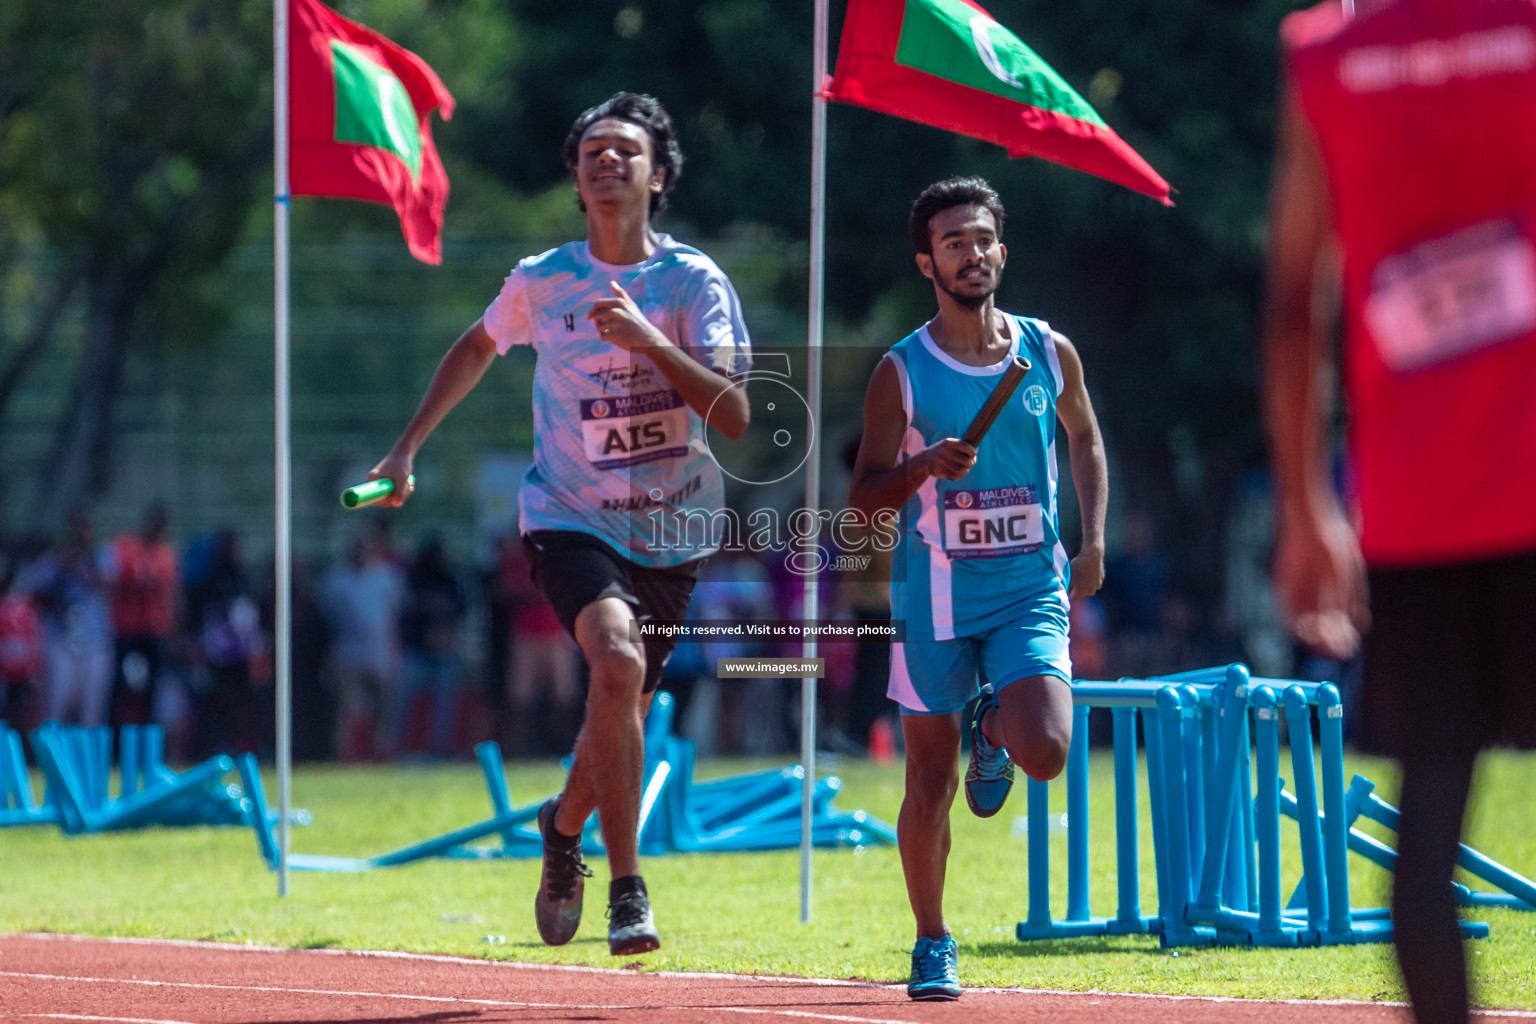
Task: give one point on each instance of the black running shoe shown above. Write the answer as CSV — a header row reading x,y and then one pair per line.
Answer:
x,y
557,907
631,925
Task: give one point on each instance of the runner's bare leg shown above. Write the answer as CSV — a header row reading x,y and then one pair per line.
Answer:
x,y
610,751
922,829
1033,720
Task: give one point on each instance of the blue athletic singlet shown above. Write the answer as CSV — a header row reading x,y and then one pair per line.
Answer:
x,y
613,440
977,553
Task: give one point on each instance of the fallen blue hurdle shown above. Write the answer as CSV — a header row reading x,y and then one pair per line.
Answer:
x,y
751,812
17,804
1360,800
76,765
1209,734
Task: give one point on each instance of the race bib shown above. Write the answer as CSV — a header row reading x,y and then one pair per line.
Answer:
x,y
1453,295
627,430
993,523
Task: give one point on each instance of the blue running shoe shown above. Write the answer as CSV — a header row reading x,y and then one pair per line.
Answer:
x,y
990,774
935,970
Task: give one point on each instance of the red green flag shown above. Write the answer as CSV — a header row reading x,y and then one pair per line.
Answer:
x,y
947,63
359,110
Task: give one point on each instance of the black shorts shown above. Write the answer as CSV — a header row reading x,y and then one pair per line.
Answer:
x,y
573,569
1450,661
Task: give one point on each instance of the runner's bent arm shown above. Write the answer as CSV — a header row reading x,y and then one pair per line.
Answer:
x,y
878,482
1090,469
708,392
1318,572
456,376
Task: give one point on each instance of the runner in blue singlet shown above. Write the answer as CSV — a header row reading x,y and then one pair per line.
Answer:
x,y
980,575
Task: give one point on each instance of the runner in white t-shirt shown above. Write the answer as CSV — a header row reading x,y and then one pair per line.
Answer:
x,y
636,336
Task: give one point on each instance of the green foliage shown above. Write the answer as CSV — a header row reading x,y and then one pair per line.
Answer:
x,y
125,108
131,137
134,129
1161,298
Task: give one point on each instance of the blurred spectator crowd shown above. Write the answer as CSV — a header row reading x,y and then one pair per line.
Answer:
x,y
393,654
407,654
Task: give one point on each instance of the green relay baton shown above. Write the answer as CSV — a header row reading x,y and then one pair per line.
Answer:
x,y
370,492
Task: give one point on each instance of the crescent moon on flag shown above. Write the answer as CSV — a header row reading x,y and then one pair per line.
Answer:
x,y
981,35
392,95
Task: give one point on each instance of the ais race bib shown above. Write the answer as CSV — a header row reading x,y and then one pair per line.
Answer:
x,y
627,430
1452,295
993,523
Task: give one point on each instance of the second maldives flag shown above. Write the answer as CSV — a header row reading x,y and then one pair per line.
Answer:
x,y
359,110
947,63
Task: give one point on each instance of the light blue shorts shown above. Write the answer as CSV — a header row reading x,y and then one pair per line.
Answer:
x,y
939,677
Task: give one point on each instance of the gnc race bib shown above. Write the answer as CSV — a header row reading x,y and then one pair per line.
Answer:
x,y
994,523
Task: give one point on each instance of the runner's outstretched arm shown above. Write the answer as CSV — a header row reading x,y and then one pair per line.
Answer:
x,y
458,373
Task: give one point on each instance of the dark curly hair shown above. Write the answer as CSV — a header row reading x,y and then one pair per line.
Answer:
x,y
942,195
645,112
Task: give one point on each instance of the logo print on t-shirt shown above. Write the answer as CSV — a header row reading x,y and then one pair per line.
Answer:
x,y
1034,399
622,377
599,408
964,499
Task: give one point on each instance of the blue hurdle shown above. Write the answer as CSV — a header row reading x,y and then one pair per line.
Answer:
x,y
76,764
83,805
755,811
17,805
1360,800
1123,700
1207,732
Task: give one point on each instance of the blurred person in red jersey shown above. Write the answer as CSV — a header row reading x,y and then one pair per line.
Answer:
x,y
143,574
544,670
21,654
1406,176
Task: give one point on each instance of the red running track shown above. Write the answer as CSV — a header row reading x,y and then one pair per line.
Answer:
x,y
133,981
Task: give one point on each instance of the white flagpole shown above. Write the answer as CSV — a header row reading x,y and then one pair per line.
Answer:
x,y
813,464
283,554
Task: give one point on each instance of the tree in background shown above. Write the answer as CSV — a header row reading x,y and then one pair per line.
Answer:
x,y
134,143
1163,302
131,144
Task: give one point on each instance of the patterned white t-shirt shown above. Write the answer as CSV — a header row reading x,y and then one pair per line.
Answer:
x,y
617,453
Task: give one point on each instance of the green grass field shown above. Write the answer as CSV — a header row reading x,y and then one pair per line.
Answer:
x,y
717,912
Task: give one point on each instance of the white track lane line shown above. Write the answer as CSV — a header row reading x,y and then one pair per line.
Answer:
x,y
82,1016
503,1003
771,978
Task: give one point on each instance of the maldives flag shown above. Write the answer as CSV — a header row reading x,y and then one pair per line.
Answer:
x,y
947,63
359,112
